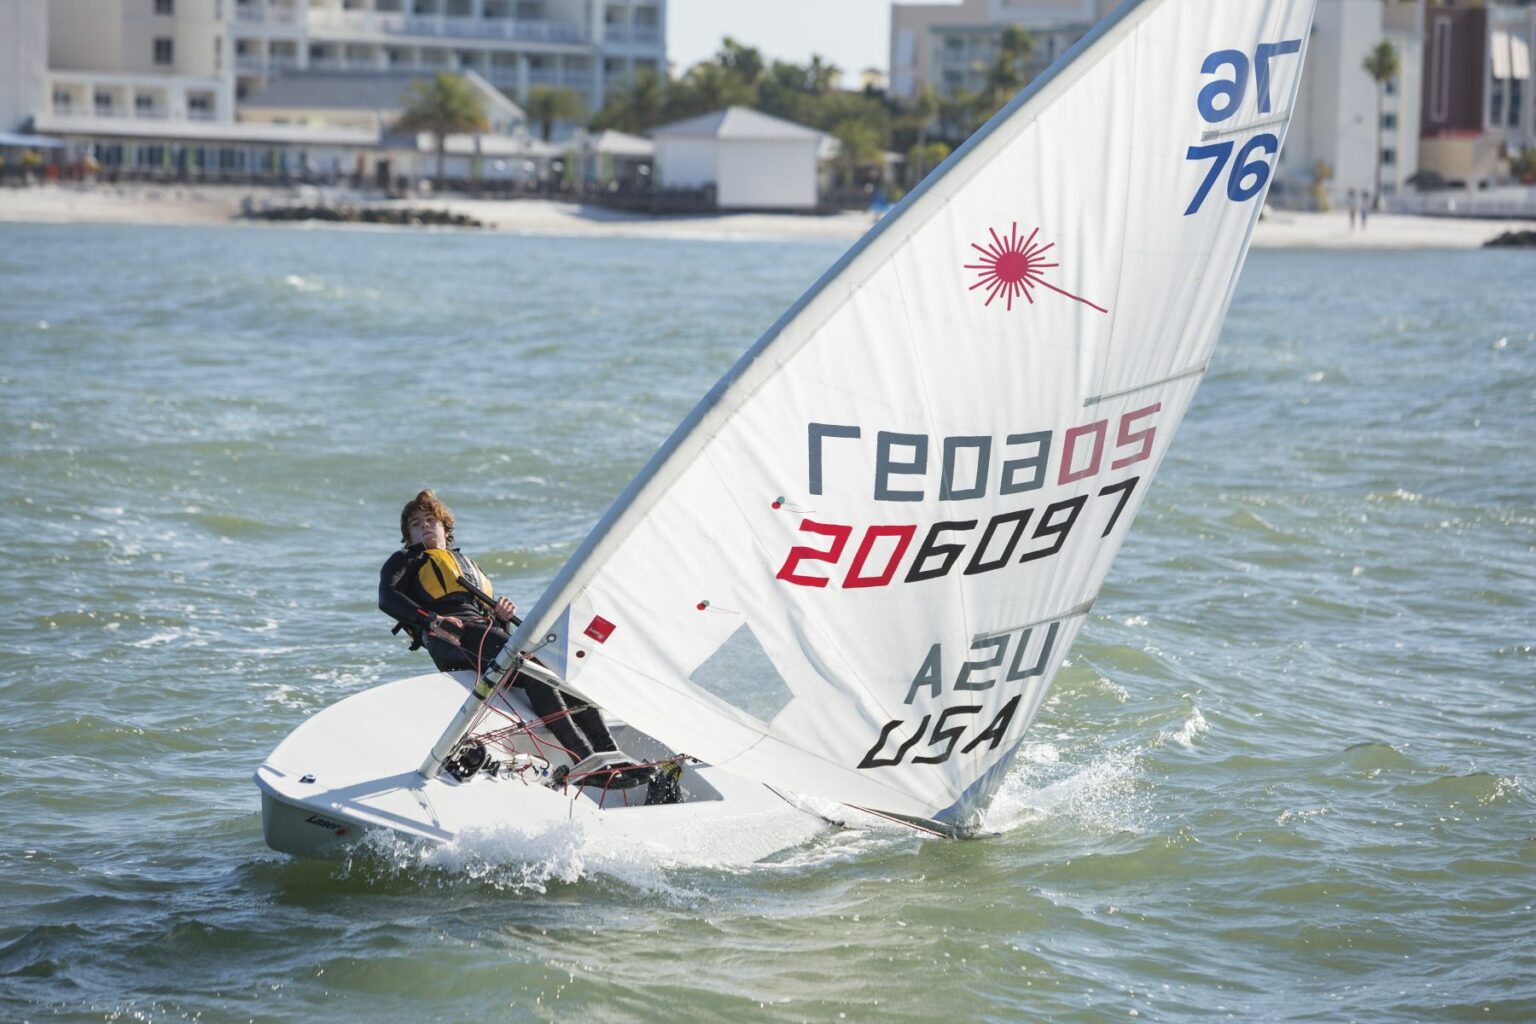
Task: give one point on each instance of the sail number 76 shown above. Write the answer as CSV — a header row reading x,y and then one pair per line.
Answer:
x,y
1220,100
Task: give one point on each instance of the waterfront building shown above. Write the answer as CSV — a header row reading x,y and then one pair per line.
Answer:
x,y
1335,120
950,46
23,63
161,86
1478,91
588,46
612,159
751,160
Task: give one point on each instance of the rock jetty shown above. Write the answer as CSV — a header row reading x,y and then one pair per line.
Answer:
x,y
342,213
1512,240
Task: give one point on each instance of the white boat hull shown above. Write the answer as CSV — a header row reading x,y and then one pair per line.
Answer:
x,y
352,769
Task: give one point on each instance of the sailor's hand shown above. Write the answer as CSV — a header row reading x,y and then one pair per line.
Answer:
x,y
505,609
446,627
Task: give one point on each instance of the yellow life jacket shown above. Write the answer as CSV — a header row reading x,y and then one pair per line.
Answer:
x,y
439,574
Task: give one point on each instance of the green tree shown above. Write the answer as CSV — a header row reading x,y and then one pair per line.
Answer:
x,y
924,158
443,105
746,62
547,104
635,108
1008,72
1322,172
821,77
858,147
924,108
1382,64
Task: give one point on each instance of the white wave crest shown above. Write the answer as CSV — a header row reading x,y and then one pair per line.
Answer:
x,y
1185,735
512,859
1097,795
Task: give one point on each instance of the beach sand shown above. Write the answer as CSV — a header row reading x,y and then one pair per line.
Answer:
x,y
213,204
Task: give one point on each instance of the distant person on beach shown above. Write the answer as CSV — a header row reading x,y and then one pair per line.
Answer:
x,y
1365,208
1353,199
445,601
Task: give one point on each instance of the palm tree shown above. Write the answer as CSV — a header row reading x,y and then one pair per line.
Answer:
x,y
635,108
858,146
925,107
1382,64
546,105
443,105
1006,75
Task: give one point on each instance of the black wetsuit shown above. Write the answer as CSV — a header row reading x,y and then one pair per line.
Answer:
x,y
417,586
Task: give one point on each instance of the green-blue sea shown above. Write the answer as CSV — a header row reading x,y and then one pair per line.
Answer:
x,y
1288,773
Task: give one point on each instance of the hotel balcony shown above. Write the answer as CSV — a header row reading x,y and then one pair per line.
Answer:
x,y
266,14
637,35
377,25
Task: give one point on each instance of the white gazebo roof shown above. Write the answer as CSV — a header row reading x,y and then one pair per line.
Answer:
x,y
738,123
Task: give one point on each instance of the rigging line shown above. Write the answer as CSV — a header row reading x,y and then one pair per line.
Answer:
x,y
1243,129
762,731
1070,613
1193,371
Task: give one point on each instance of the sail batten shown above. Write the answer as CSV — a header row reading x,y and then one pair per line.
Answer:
x,y
949,434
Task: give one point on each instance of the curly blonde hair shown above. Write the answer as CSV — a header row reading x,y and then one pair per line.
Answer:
x,y
426,501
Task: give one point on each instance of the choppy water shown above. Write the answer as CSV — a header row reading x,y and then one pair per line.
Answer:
x,y
1288,773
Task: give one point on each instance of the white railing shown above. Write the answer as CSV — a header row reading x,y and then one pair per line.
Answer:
x,y
643,34
1514,204
255,14
375,23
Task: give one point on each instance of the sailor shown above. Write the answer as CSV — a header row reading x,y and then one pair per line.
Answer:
x,y
429,587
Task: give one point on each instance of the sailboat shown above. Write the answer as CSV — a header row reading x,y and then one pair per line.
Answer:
x,y
849,577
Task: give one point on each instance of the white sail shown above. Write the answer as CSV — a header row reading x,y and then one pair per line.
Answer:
x,y
854,570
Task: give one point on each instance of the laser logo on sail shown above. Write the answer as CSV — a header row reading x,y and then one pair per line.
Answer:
x,y
1016,266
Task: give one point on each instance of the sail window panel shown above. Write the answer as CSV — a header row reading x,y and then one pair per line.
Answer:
x,y
741,674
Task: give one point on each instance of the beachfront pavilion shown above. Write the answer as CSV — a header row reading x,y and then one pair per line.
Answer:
x,y
212,150
751,160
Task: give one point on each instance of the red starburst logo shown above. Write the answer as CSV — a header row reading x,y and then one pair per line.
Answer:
x,y
1013,266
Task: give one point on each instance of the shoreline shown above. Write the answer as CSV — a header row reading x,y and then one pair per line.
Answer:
x,y
190,205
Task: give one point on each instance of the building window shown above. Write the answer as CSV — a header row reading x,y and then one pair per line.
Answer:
x,y
1388,122
143,104
1496,103
103,103
62,100
1440,70
1388,157
200,106
165,52
165,6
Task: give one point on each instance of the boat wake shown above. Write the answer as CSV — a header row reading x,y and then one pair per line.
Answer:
x,y
511,860
1097,796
